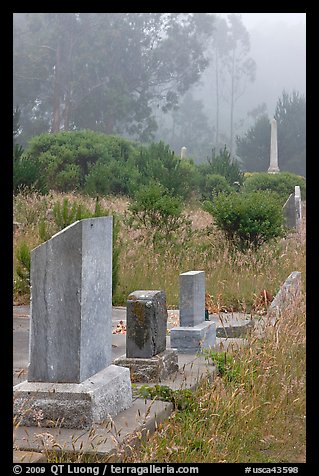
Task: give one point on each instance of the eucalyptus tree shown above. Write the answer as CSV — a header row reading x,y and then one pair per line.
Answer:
x,y
241,68
254,146
105,71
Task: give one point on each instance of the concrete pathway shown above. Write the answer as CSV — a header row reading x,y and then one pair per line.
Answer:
x,y
230,328
142,418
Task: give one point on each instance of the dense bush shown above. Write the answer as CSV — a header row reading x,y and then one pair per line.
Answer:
x,y
158,163
26,175
248,219
100,164
223,164
282,183
214,184
157,212
64,158
112,177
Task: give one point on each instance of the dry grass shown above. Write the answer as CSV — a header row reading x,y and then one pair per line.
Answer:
x,y
258,416
233,279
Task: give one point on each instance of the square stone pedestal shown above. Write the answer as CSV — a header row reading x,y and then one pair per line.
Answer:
x,y
73,405
153,369
193,339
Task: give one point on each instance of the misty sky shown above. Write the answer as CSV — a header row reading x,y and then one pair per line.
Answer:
x,y
252,20
278,45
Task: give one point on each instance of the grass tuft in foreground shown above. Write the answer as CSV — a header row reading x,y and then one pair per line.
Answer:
x,y
253,412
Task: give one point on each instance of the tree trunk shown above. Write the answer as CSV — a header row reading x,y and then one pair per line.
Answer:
x,y
56,119
68,80
232,102
217,99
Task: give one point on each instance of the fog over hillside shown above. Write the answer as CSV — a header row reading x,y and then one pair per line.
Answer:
x,y
278,47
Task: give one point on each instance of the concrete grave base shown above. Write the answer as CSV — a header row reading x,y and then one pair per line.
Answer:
x,y
73,405
153,369
193,339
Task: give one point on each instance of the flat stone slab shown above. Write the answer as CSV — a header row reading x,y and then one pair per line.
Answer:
x,y
194,339
126,428
232,325
74,405
115,436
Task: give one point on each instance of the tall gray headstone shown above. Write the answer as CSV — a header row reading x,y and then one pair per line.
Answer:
x,y
194,333
71,303
71,381
191,298
273,167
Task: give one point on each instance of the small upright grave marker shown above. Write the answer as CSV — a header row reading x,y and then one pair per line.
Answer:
x,y
146,327
194,333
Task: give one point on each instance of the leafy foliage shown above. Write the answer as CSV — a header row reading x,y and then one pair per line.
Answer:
x,y
254,147
282,183
67,78
248,219
291,121
183,399
64,158
101,165
158,163
26,175
23,257
214,184
227,366
112,177
157,212
222,164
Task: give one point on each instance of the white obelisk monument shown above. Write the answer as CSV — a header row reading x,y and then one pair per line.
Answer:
x,y
273,167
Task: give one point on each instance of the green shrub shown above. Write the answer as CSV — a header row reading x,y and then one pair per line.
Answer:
x,y
112,178
183,399
283,183
226,365
157,212
64,158
159,164
222,164
22,281
214,184
26,175
248,219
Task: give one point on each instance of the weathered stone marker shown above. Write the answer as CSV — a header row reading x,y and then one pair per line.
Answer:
x,y
273,166
183,152
146,326
194,332
292,210
70,377
288,292
298,206
146,323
